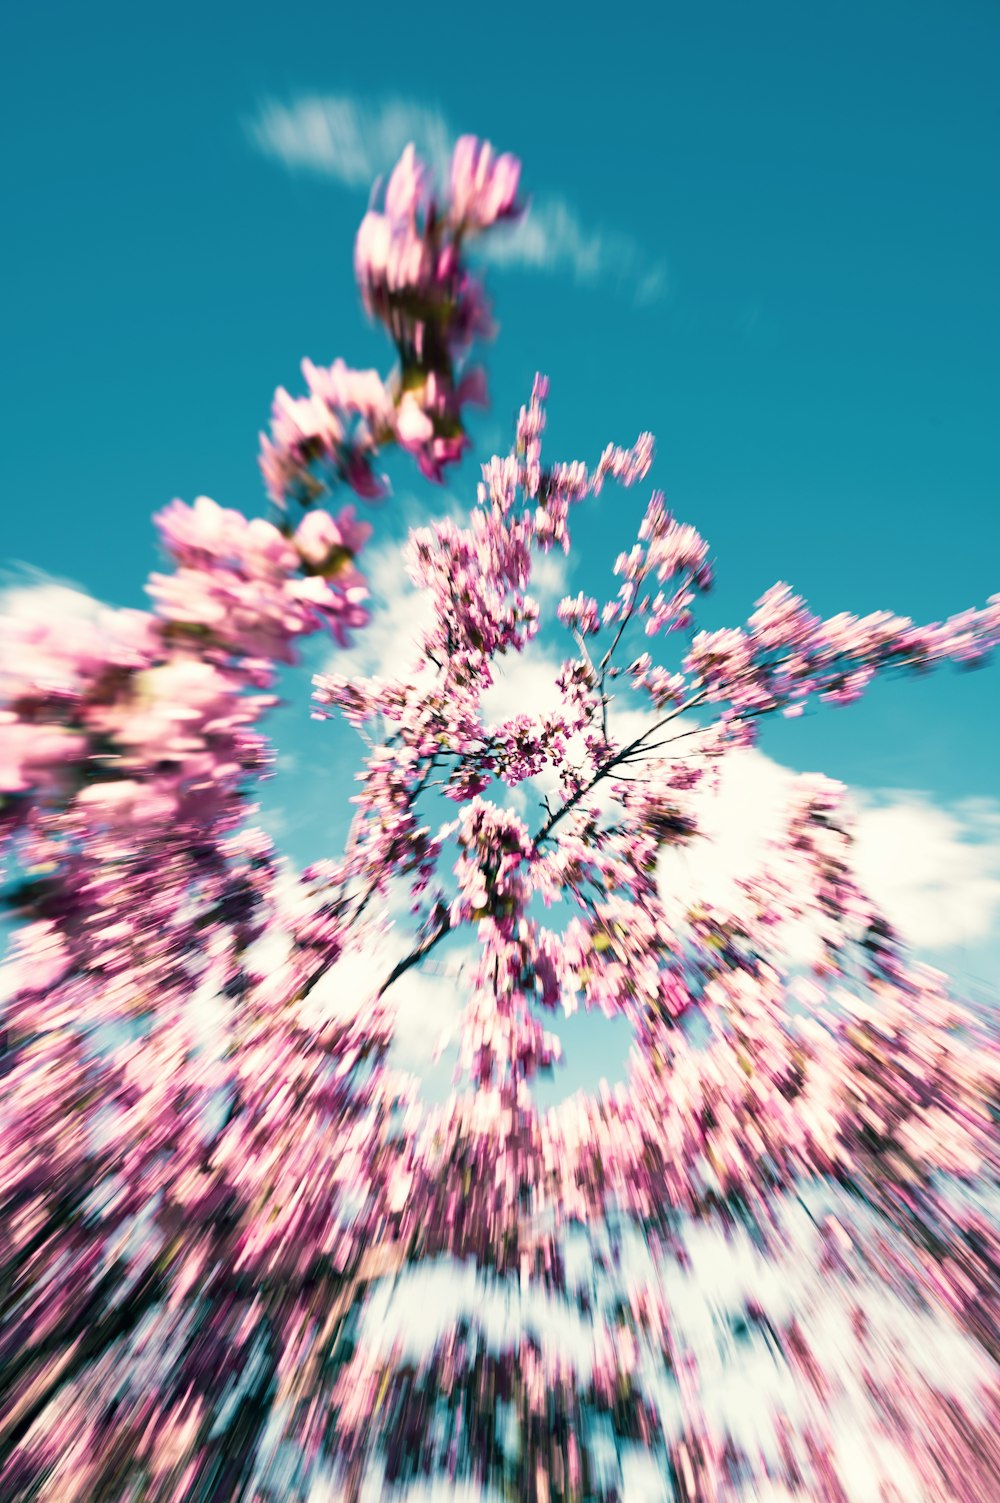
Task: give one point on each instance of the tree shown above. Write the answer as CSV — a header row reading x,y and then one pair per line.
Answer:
x,y
210,1167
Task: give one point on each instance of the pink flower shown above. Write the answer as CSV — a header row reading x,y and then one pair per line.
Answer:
x,y
483,187
326,544
580,613
413,425
407,188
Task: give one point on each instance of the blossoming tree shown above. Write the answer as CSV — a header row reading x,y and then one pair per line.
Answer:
x,y
198,1222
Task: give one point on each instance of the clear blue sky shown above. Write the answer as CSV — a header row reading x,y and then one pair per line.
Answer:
x,y
814,191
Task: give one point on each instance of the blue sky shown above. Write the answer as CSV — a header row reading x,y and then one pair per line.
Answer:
x,y
767,233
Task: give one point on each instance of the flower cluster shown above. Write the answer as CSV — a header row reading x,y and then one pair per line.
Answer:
x,y
409,260
253,589
785,656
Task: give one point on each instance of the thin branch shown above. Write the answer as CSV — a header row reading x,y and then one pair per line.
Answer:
x,y
417,954
607,767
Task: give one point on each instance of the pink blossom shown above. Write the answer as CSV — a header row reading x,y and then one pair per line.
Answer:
x,y
483,187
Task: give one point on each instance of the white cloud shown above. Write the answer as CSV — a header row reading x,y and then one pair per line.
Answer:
x,y
642,1475
438,1490
524,683
54,612
736,819
274,821
428,1009
549,573
934,871
426,1003
340,137
428,1302
551,237
44,600
389,645
353,142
